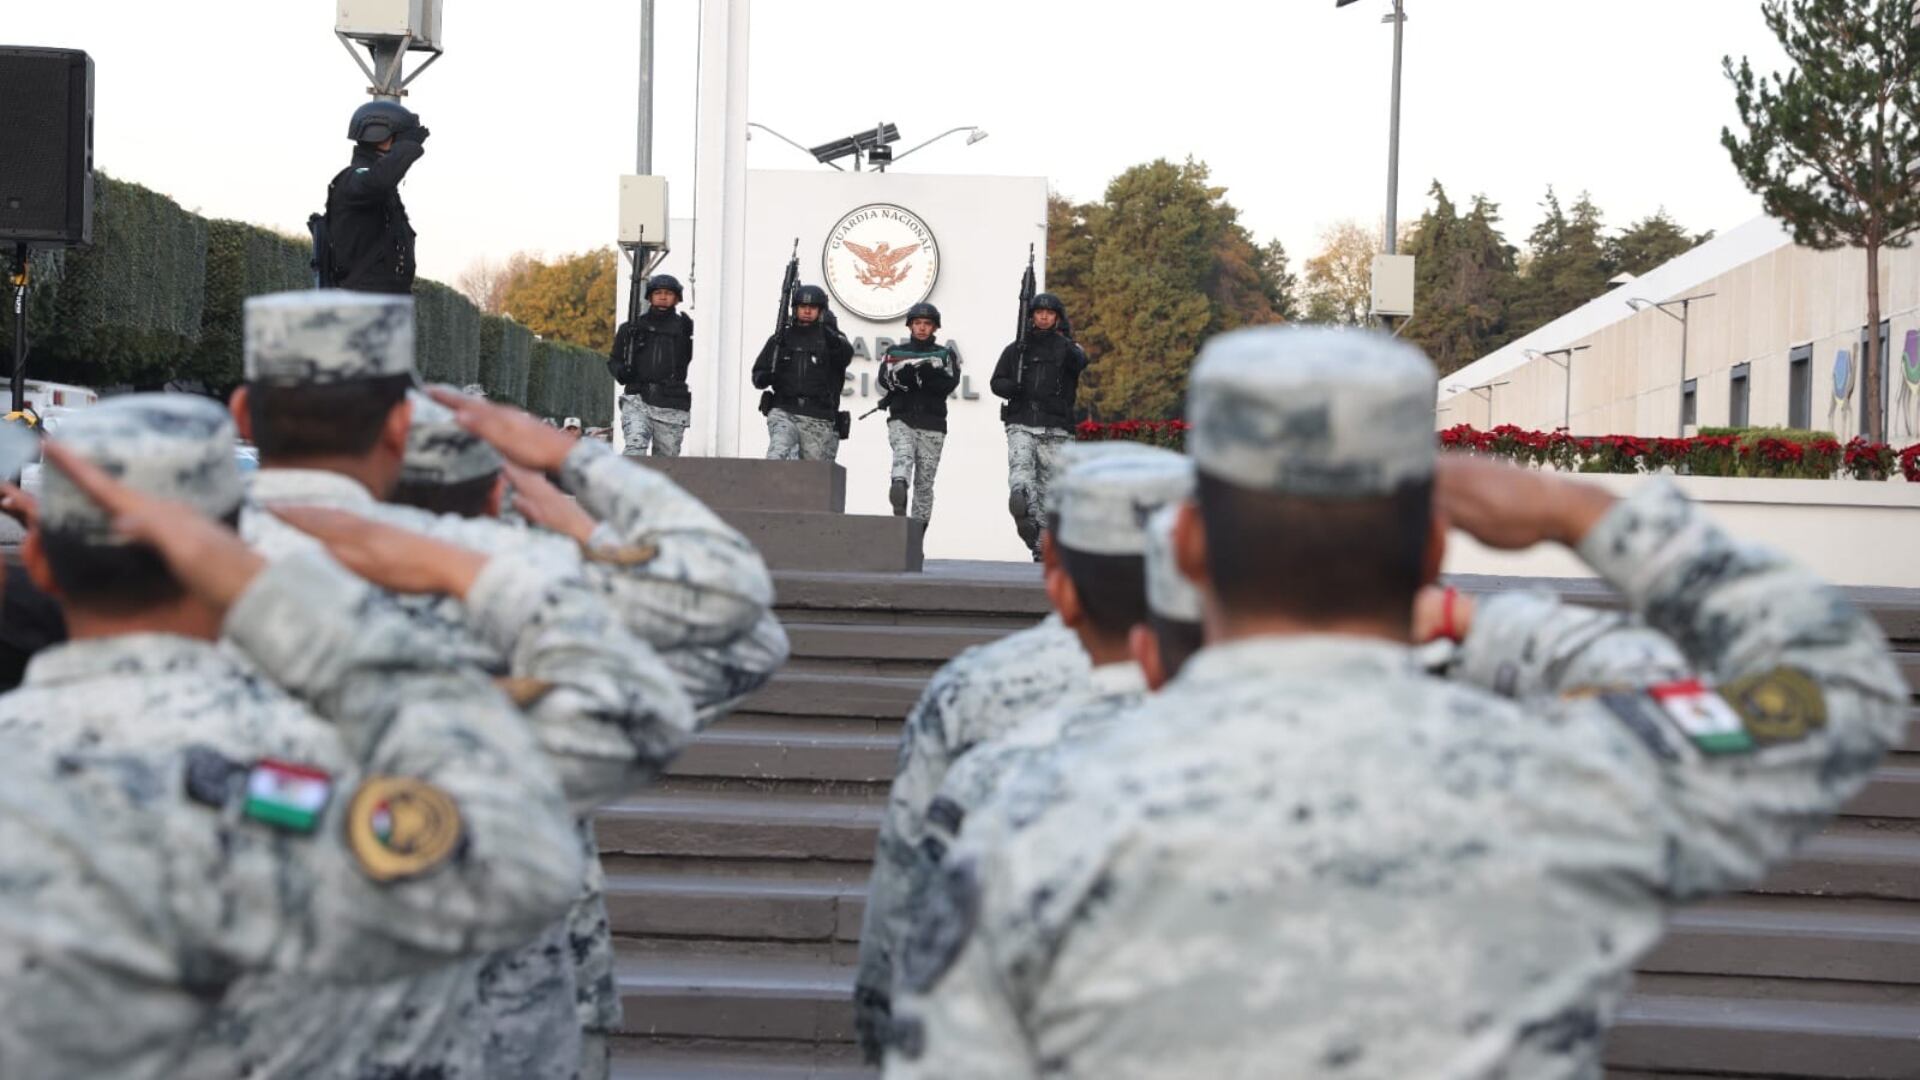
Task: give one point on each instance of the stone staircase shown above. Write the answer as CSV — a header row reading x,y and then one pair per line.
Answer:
x,y
736,885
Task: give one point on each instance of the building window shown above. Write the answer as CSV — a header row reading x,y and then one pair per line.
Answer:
x,y
1737,396
1800,388
1689,403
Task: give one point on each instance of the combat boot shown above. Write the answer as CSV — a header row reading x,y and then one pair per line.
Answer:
x,y
898,496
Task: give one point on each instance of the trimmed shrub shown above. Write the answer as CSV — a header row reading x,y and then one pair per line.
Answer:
x,y
242,260
506,353
127,309
447,337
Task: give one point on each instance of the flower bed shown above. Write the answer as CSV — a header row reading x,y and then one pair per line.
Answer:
x,y
1754,452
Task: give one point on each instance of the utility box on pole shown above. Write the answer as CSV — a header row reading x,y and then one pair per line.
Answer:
x,y
1393,285
416,19
643,212
389,30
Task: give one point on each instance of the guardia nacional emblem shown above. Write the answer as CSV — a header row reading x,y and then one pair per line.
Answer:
x,y
879,260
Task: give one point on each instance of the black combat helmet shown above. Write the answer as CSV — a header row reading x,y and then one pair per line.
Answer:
x,y
378,121
1046,301
667,282
810,294
924,311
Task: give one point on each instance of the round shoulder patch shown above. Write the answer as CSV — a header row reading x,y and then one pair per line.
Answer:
x,y
398,827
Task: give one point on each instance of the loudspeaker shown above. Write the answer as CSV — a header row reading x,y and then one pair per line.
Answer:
x,y
46,129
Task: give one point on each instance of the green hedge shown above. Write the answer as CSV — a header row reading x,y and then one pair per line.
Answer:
x,y
567,380
506,351
242,260
159,296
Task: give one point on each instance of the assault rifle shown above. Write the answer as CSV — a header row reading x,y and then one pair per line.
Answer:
x,y
637,306
788,286
1027,290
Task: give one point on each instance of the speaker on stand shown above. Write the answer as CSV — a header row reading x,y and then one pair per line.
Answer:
x,y
46,175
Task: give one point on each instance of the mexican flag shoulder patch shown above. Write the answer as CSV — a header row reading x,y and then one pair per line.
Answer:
x,y
286,795
1703,716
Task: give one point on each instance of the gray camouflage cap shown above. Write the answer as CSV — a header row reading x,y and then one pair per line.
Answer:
x,y
324,336
1104,504
1075,454
440,451
1316,412
169,446
1170,594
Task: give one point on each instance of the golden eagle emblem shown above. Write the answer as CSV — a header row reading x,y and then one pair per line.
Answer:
x,y
883,262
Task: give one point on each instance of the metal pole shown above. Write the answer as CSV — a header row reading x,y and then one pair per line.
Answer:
x,y
1399,18
644,162
386,59
1686,311
1566,398
22,279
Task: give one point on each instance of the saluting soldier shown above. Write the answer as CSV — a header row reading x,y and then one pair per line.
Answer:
x,y
337,804
1308,855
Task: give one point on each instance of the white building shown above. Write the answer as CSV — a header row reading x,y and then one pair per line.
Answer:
x,y
1776,342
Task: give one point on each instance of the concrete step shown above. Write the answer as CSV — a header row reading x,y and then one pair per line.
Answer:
x,y
1774,1037
801,540
636,1058
752,484
981,594
728,990
777,825
691,900
708,990
1793,938
732,750
857,649
801,694
1848,859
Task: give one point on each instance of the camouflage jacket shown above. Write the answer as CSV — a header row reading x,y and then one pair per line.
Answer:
x,y
682,580
1305,855
141,883
978,695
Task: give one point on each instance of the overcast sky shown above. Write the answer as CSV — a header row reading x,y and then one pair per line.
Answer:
x,y
238,108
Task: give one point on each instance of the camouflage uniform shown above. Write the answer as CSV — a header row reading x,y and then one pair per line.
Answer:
x,y
1103,505
916,459
1306,856
643,426
800,438
1033,459
149,830
979,694
668,568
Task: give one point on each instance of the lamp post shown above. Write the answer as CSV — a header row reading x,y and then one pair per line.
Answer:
x,y
975,134
1399,20
1486,397
790,142
1665,307
1565,364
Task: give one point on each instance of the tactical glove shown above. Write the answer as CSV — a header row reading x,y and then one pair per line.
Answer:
x,y
417,134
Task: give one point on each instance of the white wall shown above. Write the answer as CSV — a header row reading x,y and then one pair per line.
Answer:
x,y
983,225
1849,532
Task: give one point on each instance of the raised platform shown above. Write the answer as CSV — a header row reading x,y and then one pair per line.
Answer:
x,y
795,513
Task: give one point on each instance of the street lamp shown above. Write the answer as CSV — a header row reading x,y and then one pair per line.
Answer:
x,y
975,134
1686,309
1486,397
1565,364
1399,20
788,141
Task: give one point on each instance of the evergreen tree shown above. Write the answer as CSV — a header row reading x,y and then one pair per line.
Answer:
x,y
1829,144
1278,281
1148,273
1464,280
1648,243
1566,265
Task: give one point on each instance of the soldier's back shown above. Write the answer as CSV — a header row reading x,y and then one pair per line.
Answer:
x,y
1307,859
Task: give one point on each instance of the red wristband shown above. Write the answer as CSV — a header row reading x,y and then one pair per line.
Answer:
x,y
1449,629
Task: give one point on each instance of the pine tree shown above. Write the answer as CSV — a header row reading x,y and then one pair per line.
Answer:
x,y
1566,265
1464,281
1829,143
1279,282
1648,243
